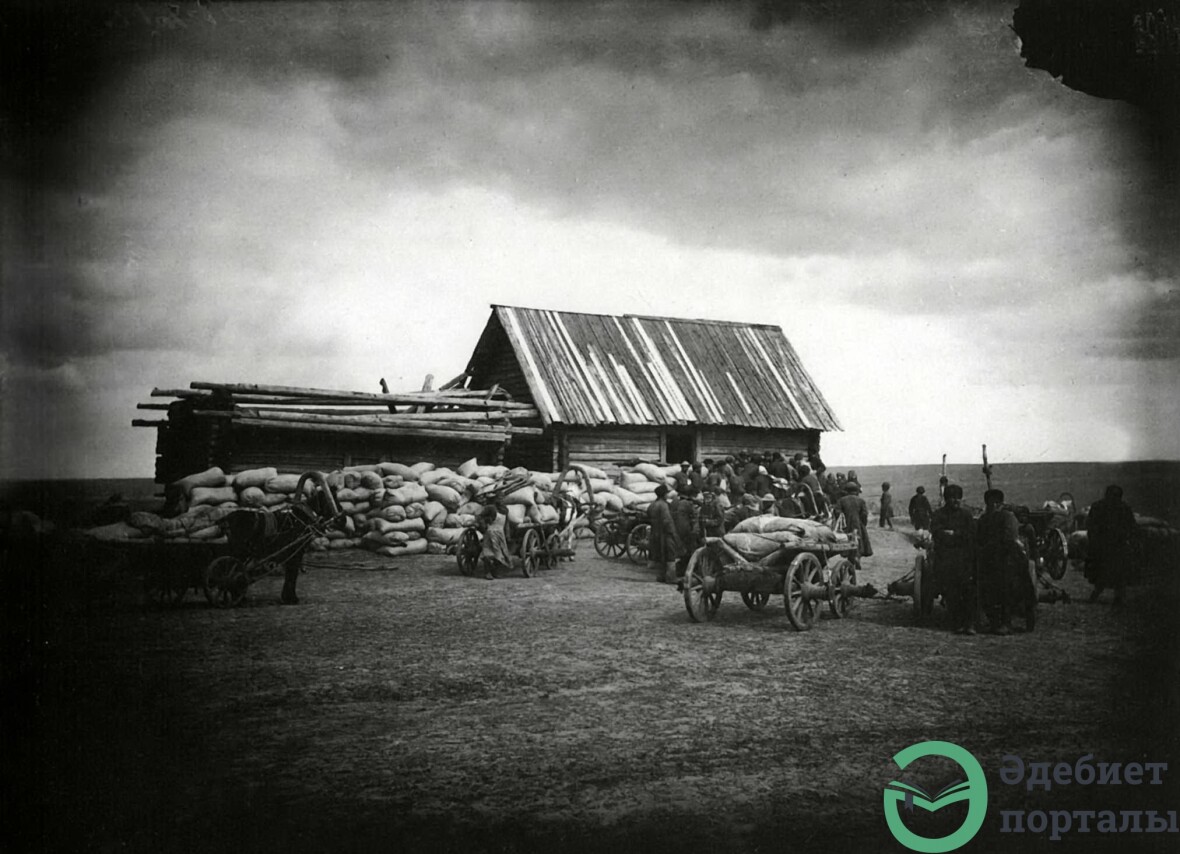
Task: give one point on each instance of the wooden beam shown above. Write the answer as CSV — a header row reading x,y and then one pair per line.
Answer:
x,y
373,420
472,416
359,396
178,392
163,406
148,422
453,384
379,430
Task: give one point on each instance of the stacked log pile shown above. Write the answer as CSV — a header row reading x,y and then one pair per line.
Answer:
x,y
199,430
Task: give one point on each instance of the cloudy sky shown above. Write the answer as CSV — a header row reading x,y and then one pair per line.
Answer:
x,y
961,249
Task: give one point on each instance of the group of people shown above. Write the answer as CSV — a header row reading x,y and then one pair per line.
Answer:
x,y
709,498
983,564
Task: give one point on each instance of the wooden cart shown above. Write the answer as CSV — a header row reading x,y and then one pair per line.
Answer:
x,y
539,545
807,575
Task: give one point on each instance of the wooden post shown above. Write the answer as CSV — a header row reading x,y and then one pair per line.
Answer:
x,y
425,387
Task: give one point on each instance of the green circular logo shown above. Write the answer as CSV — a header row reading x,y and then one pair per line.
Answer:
x,y
973,790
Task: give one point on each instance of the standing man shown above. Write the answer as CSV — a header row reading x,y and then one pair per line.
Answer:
x,y
856,516
733,481
686,514
696,478
760,485
1110,528
920,510
682,477
954,558
999,553
886,519
779,467
749,471
663,545
715,479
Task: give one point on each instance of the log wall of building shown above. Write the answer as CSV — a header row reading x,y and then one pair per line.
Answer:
x,y
607,447
311,451
536,453
715,442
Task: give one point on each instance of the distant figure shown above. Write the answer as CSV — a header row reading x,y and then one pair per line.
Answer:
x,y
1110,528
886,520
920,510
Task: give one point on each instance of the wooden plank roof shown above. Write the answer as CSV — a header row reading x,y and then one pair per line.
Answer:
x,y
596,369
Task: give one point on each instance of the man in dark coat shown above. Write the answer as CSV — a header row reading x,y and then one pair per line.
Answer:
x,y
953,530
760,485
663,545
686,511
733,480
682,477
856,517
779,467
696,478
920,510
715,479
1110,528
1000,554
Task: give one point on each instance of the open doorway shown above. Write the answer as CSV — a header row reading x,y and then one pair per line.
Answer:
x,y
680,445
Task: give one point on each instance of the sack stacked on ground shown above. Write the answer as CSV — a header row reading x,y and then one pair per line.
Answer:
x,y
396,508
637,485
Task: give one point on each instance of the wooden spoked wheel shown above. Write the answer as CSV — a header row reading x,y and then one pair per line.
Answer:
x,y
467,552
755,601
701,599
608,539
1055,553
531,552
225,582
842,576
637,543
803,590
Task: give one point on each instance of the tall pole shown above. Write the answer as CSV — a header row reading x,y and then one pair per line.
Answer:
x,y
942,481
987,470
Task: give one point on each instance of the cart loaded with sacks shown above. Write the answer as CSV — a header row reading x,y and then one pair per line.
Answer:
x,y
546,536
806,562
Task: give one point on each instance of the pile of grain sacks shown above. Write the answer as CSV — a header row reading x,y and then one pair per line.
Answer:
x,y
398,509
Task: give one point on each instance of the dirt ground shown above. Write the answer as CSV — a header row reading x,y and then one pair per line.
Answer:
x,y
402,706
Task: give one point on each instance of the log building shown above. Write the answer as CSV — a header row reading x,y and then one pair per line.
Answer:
x,y
612,389
542,389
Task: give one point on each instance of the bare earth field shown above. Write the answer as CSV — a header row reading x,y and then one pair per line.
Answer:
x,y
404,707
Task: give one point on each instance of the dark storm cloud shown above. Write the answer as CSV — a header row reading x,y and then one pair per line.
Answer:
x,y
788,129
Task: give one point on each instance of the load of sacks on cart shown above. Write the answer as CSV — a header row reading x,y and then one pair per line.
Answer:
x,y
396,508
